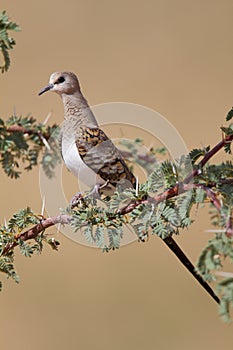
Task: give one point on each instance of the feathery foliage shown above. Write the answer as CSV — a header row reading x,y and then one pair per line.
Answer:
x,y
11,236
6,43
22,140
163,205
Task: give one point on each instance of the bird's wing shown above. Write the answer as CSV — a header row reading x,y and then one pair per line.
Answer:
x,y
100,154
60,135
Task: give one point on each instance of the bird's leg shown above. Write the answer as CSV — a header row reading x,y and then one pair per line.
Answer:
x,y
79,197
76,199
95,192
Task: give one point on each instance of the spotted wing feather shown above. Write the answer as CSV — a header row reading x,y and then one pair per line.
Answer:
x,y
100,154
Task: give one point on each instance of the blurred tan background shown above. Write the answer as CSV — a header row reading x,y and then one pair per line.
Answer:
x,y
174,57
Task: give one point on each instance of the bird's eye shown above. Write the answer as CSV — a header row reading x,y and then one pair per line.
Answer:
x,y
60,80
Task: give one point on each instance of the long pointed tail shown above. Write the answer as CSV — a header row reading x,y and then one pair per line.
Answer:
x,y
171,243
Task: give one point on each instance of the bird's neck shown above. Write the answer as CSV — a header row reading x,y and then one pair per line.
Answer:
x,y
76,106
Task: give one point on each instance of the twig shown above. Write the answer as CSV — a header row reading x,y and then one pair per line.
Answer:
x,y
207,157
181,186
37,229
177,189
169,241
170,193
19,128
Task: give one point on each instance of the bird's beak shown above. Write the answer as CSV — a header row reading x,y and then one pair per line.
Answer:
x,y
46,88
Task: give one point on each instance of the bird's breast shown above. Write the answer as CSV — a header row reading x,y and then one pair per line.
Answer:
x,y
76,165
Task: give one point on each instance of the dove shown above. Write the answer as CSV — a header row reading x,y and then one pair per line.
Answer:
x,y
86,149
91,156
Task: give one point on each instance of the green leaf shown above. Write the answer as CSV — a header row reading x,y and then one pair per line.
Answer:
x,y
18,148
23,219
141,231
227,148
155,181
228,130
114,237
196,153
88,234
225,287
6,266
209,260
6,42
160,230
170,215
25,249
53,243
200,195
229,115
184,207
99,236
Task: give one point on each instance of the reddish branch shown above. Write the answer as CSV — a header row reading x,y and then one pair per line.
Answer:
x,y
173,192
37,229
182,186
208,155
19,128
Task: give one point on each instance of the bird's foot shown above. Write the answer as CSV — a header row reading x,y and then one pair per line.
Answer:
x,y
79,197
96,191
76,200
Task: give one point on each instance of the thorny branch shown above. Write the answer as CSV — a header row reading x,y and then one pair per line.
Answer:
x,y
182,186
19,128
37,229
170,193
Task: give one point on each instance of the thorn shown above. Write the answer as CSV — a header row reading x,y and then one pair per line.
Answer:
x,y
45,142
47,118
223,136
14,112
5,222
223,273
151,146
174,170
43,206
137,186
58,227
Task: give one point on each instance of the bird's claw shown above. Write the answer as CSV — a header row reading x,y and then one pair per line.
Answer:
x,y
76,200
79,197
95,192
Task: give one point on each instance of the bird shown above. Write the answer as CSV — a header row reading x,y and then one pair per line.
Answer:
x,y
90,154
86,149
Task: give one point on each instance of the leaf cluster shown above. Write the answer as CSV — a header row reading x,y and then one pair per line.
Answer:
x,y
22,140
11,235
99,225
6,42
212,185
102,221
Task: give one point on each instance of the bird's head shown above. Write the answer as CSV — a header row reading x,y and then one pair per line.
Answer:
x,y
62,83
